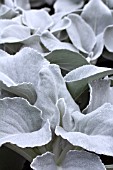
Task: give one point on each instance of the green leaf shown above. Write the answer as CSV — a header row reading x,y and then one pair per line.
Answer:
x,y
78,79
67,60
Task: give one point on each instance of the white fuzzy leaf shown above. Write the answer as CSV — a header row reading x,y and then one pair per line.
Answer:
x,y
19,73
78,79
100,93
21,124
53,91
74,160
67,6
108,39
93,131
101,18
14,34
52,43
37,19
81,34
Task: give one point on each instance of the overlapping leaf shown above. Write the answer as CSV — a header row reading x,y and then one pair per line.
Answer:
x,y
68,6
93,131
52,43
84,160
97,97
98,20
19,73
39,20
66,59
21,124
52,92
78,79
81,34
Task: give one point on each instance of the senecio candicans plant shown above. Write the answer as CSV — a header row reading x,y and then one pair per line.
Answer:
x,y
56,84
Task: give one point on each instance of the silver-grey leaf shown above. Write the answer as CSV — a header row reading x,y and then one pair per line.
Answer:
x,y
52,43
37,19
81,34
78,79
21,124
100,93
67,6
108,38
14,34
101,14
19,73
74,160
93,131
52,91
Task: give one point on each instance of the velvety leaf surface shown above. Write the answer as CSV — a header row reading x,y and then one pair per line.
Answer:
x,y
109,3
78,79
18,4
22,68
81,34
53,91
100,93
21,124
108,39
14,33
67,6
61,25
101,18
52,43
6,12
93,131
98,48
74,160
37,19
66,59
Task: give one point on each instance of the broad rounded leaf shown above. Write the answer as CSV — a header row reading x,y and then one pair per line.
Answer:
x,y
74,160
61,25
22,70
14,33
100,93
6,12
37,19
67,6
78,79
100,19
52,92
81,34
21,124
93,131
66,59
108,39
98,48
52,43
